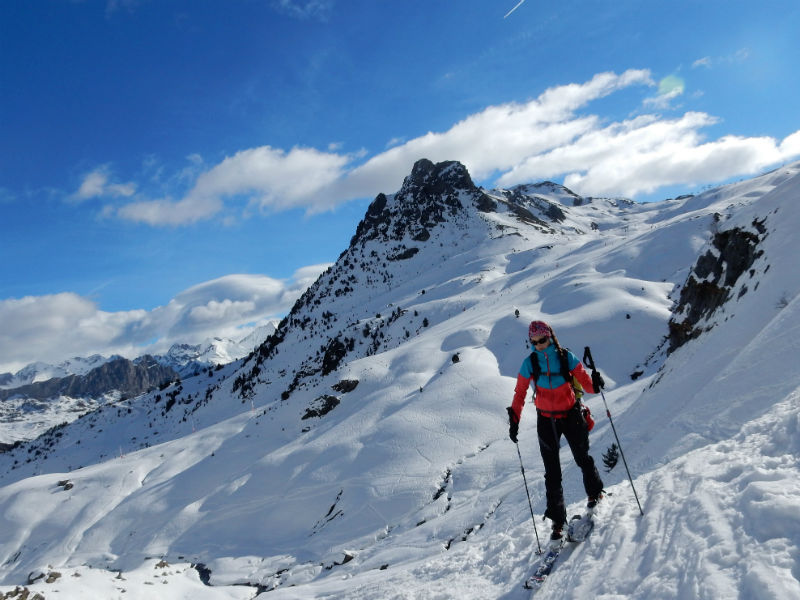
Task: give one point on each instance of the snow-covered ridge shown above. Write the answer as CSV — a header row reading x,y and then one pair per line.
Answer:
x,y
41,371
55,395
185,359
401,481
189,359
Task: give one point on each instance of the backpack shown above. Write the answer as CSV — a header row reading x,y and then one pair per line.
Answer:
x,y
564,371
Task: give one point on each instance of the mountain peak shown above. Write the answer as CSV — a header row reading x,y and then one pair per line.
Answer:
x,y
431,194
432,178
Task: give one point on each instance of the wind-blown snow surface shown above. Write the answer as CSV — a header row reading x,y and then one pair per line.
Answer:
x,y
409,487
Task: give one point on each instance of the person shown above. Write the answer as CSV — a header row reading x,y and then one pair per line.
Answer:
x,y
558,413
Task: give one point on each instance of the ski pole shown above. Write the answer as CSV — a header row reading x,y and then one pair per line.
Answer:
x,y
589,362
530,504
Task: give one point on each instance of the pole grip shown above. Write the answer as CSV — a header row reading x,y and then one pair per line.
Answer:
x,y
587,358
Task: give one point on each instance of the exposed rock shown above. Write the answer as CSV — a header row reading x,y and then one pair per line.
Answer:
x,y
711,281
428,197
129,377
334,354
403,254
345,385
20,593
204,572
321,407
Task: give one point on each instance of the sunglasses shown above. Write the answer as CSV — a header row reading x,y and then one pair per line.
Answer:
x,y
540,341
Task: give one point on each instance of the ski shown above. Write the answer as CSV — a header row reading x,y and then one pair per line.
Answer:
x,y
578,529
545,565
580,526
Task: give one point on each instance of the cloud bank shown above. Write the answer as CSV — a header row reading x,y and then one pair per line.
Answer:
x,y
549,137
49,328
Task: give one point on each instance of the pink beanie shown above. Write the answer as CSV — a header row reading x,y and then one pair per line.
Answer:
x,y
539,329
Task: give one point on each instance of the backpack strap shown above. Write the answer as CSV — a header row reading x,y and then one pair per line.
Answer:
x,y
565,372
564,359
536,371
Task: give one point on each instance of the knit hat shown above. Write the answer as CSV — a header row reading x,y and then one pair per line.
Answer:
x,y
539,329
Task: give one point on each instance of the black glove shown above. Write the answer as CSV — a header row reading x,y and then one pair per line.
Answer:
x,y
597,381
513,425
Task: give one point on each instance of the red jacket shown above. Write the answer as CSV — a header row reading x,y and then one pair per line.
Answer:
x,y
554,396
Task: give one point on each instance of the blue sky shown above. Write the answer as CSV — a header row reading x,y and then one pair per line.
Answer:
x,y
171,170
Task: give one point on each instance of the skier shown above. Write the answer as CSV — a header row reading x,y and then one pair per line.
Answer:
x,y
558,413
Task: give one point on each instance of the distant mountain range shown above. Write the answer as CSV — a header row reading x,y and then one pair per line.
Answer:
x,y
184,359
42,395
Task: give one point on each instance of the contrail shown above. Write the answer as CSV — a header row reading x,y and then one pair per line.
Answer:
x,y
520,3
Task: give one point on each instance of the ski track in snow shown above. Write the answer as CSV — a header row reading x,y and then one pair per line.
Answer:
x,y
409,488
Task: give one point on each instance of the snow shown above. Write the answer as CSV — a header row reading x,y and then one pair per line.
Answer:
x,y
41,371
28,418
410,488
24,418
152,579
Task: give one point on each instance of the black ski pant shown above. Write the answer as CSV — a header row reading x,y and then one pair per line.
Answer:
x,y
573,427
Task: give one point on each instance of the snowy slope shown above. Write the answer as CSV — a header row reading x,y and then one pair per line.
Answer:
x,y
26,418
404,484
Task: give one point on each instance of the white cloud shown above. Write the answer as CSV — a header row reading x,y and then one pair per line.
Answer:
x,y
669,88
97,185
304,9
551,136
643,154
790,146
59,325
279,179
662,101
266,176
395,141
168,212
498,139
56,327
648,166
737,57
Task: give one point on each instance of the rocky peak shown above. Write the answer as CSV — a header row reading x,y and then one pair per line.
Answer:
x,y
431,194
437,178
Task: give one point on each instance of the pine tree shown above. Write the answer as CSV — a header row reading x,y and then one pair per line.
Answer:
x,y
610,457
